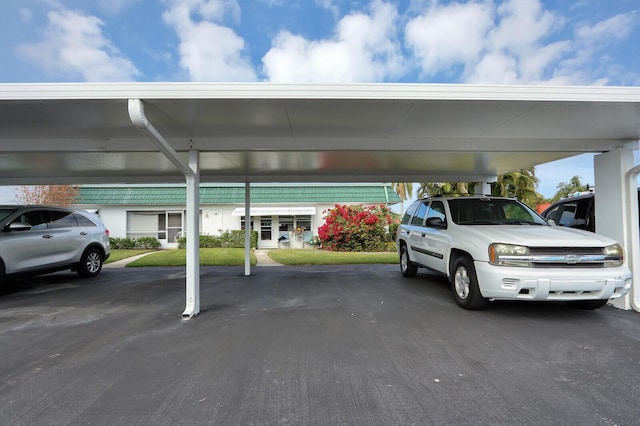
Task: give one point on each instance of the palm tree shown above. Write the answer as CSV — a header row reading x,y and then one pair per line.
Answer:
x,y
520,184
434,189
404,191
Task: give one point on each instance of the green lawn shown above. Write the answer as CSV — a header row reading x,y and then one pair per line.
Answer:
x,y
323,257
119,254
235,257
208,257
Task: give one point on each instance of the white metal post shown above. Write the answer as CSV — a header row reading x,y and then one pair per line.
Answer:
x,y
193,237
247,229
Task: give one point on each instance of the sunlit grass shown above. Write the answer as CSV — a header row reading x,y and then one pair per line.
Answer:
x,y
323,257
208,257
119,254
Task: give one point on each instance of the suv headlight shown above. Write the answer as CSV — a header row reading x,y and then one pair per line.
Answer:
x,y
509,255
613,256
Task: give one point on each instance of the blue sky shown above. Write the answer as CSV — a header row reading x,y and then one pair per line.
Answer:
x,y
556,42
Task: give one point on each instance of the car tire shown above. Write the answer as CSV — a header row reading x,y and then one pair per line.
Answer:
x,y
407,267
590,304
464,284
90,263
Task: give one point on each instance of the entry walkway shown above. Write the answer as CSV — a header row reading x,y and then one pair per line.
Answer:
x,y
263,258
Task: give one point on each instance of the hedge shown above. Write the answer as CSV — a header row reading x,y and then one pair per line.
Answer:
x,y
147,243
228,239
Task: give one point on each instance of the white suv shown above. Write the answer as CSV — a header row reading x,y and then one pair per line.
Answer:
x,y
494,248
40,239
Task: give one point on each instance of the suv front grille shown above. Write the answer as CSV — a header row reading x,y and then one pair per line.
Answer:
x,y
579,257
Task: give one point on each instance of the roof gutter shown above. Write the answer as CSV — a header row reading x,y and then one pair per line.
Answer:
x,y
633,236
139,120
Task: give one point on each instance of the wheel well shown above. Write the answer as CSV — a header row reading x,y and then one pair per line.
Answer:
x,y
97,246
454,256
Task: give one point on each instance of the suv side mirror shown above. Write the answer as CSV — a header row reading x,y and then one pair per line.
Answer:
x,y
18,226
551,222
435,222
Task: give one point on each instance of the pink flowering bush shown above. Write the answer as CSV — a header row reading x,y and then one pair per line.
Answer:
x,y
355,228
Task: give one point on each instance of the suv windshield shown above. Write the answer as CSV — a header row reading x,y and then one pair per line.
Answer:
x,y
490,211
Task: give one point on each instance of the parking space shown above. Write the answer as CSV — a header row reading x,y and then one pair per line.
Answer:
x,y
305,345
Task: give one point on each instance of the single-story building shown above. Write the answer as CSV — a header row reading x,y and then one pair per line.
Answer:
x,y
284,215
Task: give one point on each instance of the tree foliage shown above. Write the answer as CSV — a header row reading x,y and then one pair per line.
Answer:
x,y
520,184
565,189
435,189
355,228
404,191
53,195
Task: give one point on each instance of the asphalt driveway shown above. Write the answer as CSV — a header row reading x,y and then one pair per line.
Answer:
x,y
334,345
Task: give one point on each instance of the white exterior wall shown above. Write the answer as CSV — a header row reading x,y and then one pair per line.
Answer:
x,y
215,219
218,219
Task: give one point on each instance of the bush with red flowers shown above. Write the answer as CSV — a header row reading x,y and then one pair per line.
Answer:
x,y
355,228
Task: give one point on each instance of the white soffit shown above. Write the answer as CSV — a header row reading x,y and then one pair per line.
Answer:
x,y
261,132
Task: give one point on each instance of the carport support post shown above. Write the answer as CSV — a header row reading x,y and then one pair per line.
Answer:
x,y
247,229
193,237
612,201
192,174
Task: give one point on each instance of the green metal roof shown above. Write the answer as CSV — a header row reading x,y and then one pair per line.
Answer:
x,y
234,194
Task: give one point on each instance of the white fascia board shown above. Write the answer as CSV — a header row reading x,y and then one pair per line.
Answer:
x,y
373,91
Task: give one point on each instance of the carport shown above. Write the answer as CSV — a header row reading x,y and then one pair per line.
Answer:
x,y
193,132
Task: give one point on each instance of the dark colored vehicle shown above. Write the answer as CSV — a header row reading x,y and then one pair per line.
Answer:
x,y
36,240
575,212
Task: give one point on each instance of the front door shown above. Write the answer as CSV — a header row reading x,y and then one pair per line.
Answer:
x,y
174,226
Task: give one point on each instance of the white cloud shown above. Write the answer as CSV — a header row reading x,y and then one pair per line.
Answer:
x,y
445,36
522,26
610,30
491,45
365,47
497,68
208,50
74,46
591,55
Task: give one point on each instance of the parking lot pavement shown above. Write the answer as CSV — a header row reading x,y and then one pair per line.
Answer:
x,y
333,345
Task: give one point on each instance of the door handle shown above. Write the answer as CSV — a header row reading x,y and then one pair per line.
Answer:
x,y
47,236
83,233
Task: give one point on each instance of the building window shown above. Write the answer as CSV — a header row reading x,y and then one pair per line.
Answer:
x,y
242,223
160,224
147,224
265,229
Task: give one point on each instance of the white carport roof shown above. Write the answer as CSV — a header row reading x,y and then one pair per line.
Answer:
x,y
82,133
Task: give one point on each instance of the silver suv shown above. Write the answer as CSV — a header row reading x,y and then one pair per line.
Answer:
x,y
40,239
494,248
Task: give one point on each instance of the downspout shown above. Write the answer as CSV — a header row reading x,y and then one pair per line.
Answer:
x,y
633,236
140,121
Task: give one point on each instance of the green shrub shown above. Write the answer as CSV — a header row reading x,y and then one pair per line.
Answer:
x,y
122,243
148,243
393,229
228,239
151,243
